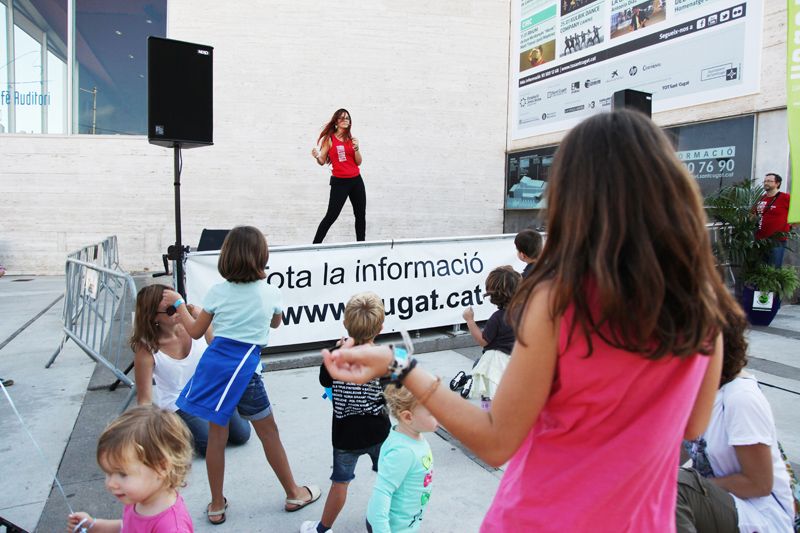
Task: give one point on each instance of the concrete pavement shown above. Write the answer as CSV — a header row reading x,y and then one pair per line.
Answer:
x,y
65,408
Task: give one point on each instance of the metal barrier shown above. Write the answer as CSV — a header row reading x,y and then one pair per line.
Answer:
x,y
99,297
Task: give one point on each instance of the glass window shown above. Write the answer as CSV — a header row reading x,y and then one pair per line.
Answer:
x,y
30,101
718,153
526,177
5,89
110,73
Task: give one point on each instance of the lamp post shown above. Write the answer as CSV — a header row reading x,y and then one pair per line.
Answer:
x,y
93,92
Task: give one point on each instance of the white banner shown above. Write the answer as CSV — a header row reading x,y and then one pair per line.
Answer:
x,y
570,56
423,283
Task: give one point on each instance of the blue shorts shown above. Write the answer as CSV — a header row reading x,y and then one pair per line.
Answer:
x,y
344,462
254,404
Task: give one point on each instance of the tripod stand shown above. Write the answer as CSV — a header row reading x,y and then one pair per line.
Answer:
x,y
177,251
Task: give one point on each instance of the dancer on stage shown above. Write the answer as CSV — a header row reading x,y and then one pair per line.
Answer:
x,y
338,147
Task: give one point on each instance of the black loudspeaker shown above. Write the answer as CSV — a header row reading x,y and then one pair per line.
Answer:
x,y
180,95
636,100
211,239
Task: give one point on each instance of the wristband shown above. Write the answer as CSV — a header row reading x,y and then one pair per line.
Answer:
x,y
179,302
399,368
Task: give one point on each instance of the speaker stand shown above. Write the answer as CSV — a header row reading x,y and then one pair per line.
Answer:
x,y
177,251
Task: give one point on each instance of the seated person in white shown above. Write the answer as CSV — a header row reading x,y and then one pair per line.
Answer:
x,y
739,482
165,358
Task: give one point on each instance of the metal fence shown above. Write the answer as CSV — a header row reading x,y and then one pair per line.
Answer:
x,y
99,297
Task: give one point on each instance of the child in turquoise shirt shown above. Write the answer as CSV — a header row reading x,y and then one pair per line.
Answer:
x,y
405,467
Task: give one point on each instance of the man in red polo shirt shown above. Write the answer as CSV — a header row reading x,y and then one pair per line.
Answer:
x,y
773,212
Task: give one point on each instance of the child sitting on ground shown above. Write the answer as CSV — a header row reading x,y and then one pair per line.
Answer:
x,y
360,423
497,339
529,246
146,454
405,468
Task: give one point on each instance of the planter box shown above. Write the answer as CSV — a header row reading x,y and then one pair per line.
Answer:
x,y
760,311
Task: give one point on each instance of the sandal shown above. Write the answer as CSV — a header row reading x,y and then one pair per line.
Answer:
x,y
315,493
220,513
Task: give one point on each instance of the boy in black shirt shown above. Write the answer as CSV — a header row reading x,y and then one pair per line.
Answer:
x,y
360,421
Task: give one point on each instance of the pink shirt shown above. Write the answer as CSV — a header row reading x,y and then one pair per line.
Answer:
x,y
175,519
603,454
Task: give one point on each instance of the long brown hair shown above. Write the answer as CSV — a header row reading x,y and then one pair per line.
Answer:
x,y
330,128
625,218
734,344
145,324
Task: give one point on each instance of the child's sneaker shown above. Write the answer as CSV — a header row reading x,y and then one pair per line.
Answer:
x,y
310,526
458,380
467,387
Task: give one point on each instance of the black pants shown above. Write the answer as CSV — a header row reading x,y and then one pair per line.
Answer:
x,y
341,190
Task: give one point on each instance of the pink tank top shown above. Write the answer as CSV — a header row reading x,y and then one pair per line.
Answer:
x,y
343,159
603,454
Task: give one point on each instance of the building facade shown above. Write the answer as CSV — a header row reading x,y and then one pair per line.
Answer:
x,y
427,85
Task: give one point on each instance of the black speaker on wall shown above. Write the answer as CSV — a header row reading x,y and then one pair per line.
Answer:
x,y
636,100
180,95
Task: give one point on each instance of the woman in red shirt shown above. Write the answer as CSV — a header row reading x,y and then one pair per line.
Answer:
x,y
338,147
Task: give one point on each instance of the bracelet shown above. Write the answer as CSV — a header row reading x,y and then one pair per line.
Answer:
x,y
411,366
179,302
428,393
355,148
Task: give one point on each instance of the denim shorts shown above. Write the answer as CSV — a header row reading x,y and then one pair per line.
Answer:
x,y
344,462
254,404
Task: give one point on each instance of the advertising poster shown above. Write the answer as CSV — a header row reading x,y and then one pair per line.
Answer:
x,y
423,283
574,54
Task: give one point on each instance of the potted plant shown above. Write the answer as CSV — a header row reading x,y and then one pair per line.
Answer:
x,y
758,286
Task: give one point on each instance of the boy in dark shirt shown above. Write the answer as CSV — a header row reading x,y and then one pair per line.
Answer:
x,y
360,421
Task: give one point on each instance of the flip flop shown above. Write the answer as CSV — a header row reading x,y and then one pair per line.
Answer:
x,y
220,513
315,493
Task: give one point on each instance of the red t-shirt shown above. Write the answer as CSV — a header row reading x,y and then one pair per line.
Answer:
x,y
772,215
343,158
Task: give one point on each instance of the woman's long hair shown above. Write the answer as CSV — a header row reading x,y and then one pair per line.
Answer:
x,y
330,128
145,323
734,344
627,243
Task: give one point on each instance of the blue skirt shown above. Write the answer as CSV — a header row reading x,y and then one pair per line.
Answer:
x,y
220,379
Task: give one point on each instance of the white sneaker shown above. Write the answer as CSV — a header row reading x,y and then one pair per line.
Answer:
x,y
310,526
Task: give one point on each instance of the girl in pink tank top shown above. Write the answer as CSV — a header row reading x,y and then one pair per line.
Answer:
x,y
618,350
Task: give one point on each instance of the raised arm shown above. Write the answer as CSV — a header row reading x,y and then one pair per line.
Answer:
x,y
474,330
196,327
321,155
357,150
521,395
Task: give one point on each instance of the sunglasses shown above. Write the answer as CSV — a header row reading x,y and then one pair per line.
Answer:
x,y
169,312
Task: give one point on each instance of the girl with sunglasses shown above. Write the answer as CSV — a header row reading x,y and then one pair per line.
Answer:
x,y
165,358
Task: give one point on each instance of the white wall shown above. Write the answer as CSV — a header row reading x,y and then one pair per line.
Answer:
x,y
425,82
